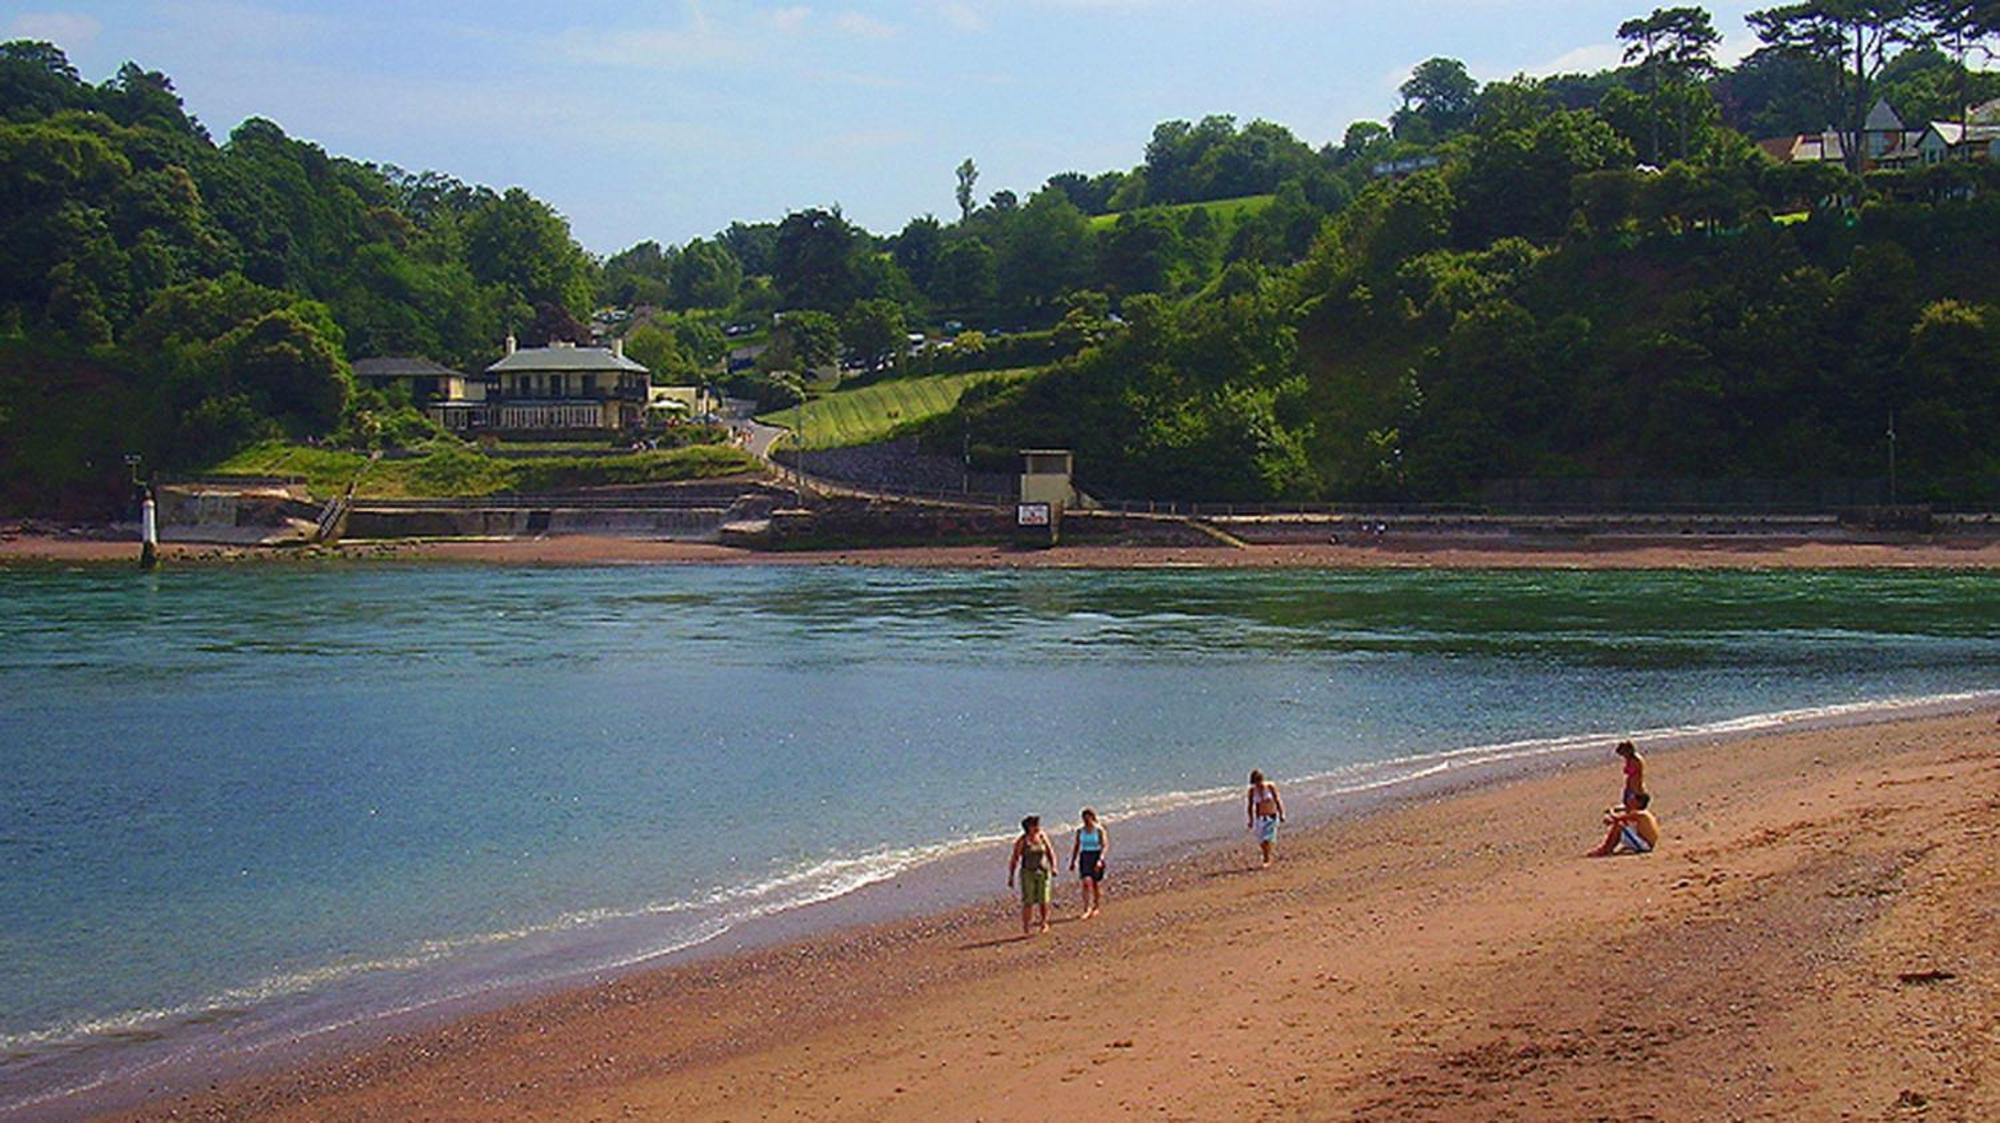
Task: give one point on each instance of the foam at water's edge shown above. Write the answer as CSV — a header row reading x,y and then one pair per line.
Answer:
x,y
729,907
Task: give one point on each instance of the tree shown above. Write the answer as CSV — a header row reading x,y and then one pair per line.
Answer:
x,y
1674,47
1143,252
37,81
1440,96
968,278
656,349
873,330
1049,254
806,340
521,242
705,275
1854,36
755,245
968,175
813,261
917,250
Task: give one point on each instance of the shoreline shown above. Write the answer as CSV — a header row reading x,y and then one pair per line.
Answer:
x,y
638,1010
1393,552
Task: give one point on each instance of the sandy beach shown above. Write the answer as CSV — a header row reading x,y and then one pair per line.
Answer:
x,y
1694,553
1813,940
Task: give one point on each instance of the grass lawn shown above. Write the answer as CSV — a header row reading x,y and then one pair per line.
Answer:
x,y
450,471
871,413
1227,213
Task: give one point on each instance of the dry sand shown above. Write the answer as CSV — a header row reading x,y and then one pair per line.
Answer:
x,y
1721,552
1814,940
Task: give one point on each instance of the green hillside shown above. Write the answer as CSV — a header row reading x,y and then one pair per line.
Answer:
x,y
871,413
448,471
1227,213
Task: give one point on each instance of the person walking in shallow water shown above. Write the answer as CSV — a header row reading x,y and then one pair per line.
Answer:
x,y
1086,857
1035,857
1265,811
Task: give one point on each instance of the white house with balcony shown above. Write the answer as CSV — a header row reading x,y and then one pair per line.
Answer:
x,y
561,388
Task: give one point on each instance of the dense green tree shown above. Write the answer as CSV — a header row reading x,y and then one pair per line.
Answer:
x,y
1517,181
873,330
813,263
968,278
1674,49
917,251
1049,253
754,244
520,242
1439,99
1778,91
803,341
639,275
705,275
1143,252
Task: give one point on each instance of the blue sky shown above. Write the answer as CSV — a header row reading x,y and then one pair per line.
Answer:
x,y
668,119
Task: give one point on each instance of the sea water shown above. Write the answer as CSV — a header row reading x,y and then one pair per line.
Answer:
x,y
318,795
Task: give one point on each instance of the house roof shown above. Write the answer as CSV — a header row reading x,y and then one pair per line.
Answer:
x,y
1883,119
565,357
1955,134
1819,146
402,366
1778,148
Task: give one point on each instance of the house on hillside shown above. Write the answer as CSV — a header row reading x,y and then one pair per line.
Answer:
x,y
425,381
561,389
1806,148
1886,142
1946,140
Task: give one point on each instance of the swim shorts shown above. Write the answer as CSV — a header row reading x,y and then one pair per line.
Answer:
x,y
1034,887
1267,828
1633,841
1090,865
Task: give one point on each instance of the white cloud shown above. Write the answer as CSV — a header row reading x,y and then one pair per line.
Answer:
x,y
696,41
68,30
789,20
1583,60
959,16
863,26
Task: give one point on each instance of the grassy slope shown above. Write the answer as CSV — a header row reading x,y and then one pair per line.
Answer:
x,y
453,472
872,413
1227,213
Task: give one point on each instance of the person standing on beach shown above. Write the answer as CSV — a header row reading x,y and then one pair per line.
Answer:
x,y
1035,857
1086,857
1635,797
1265,811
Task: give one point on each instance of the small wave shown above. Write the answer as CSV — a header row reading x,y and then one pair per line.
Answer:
x,y
726,907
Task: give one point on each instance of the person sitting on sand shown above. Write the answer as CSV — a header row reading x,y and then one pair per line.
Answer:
x,y
1035,857
1633,828
1086,857
1635,795
1266,811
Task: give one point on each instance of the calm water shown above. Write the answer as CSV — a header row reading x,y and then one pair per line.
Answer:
x,y
228,787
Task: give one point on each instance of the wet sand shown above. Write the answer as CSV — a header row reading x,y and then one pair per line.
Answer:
x,y
1722,552
1812,940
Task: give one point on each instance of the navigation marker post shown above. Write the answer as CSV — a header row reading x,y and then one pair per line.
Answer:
x,y
149,518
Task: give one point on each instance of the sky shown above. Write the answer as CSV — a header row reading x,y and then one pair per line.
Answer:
x,y
671,118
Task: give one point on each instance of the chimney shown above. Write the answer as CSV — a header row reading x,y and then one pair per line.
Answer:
x,y
618,348
510,343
